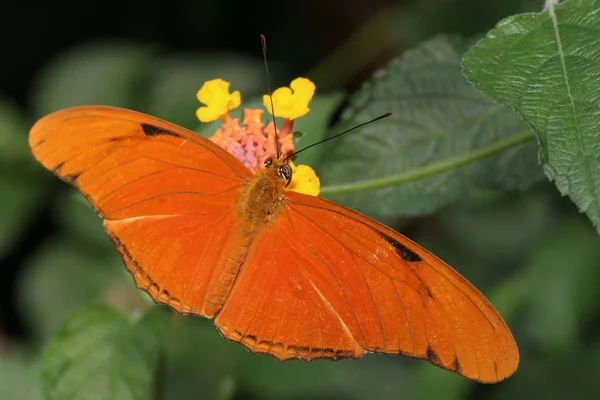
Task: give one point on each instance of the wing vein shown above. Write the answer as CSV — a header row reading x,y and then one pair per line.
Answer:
x,y
334,276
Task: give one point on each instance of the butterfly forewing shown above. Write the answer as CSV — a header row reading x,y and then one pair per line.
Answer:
x,y
129,164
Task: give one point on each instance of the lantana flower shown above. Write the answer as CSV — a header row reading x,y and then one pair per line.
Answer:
x,y
253,142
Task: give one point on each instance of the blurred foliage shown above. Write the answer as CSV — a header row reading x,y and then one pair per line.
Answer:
x,y
19,378
512,235
21,192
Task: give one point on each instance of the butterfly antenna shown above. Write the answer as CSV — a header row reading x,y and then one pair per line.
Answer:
x,y
340,134
263,42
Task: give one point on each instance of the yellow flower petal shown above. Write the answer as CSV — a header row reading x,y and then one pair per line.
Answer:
x,y
304,180
215,95
292,102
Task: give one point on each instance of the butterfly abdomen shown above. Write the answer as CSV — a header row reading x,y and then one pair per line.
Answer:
x,y
259,204
224,276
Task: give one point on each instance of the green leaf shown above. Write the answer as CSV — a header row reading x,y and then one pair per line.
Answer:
x,y
443,139
547,67
99,352
105,73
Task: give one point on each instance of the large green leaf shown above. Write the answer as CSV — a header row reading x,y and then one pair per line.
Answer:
x,y
100,353
547,67
443,140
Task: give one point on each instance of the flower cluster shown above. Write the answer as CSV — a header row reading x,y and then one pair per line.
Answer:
x,y
252,142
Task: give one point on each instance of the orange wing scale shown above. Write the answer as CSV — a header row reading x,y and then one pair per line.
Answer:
x,y
319,281
328,282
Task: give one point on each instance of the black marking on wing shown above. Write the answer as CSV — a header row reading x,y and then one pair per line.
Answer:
x,y
456,367
325,350
402,250
298,349
496,369
251,337
433,357
153,130
58,167
424,291
70,178
302,352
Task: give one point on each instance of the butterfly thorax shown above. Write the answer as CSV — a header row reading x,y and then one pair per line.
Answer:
x,y
261,201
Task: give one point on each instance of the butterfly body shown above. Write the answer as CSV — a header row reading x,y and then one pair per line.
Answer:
x,y
259,204
283,273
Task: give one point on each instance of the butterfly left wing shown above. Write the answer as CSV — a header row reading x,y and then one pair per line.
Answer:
x,y
327,282
168,197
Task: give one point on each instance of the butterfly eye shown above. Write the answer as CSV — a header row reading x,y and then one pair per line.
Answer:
x,y
285,171
268,162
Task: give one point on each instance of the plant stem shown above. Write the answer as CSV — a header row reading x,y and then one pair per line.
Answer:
x,y
428,170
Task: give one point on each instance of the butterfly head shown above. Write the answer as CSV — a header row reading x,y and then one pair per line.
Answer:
x,y
264,149
280,169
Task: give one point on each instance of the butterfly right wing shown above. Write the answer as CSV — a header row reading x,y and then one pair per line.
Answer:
x,y
327,282
168,196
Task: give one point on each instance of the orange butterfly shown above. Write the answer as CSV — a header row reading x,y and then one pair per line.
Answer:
x,y
284,273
